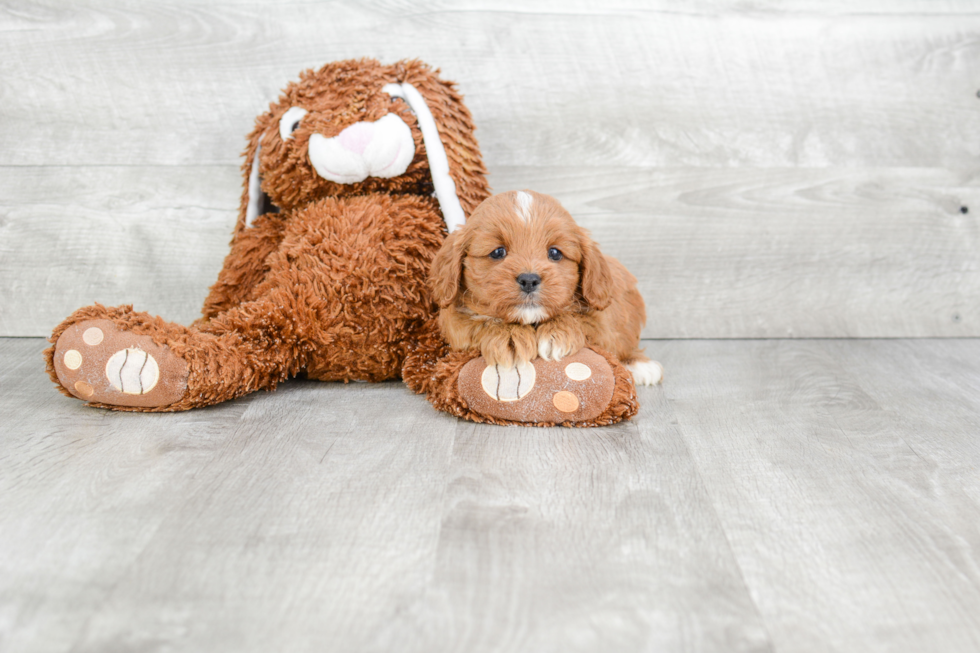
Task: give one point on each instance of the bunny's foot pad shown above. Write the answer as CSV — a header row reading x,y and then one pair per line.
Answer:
x,y
98,362
576,389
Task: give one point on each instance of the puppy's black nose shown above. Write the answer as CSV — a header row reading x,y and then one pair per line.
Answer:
x,y
529,281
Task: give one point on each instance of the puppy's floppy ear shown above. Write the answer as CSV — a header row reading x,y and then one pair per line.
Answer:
x,y
447,270
597,281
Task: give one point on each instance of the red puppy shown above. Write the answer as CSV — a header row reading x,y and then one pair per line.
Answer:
x,y
522,280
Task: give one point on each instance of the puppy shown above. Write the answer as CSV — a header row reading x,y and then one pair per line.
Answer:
x,y
520,280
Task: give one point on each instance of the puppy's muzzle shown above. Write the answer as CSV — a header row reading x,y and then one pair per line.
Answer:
x,y
529,282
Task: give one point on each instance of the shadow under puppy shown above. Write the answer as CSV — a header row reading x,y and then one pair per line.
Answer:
x,y
522,280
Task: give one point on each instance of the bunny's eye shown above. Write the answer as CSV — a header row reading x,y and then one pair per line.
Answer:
x,y
290,122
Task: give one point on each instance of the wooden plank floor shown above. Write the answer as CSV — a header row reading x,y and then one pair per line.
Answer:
x,y
773,495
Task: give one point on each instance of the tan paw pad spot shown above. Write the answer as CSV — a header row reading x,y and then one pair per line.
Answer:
x,y
73,359
508,383
132,371
93,336
565,401
578,371
84,389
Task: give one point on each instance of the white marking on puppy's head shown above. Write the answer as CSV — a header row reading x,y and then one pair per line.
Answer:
x,y
524,202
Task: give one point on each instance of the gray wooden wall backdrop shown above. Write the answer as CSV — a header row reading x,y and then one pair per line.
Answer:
x,y
767,169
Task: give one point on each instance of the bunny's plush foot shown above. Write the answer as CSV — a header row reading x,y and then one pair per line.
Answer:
x,y
588,388
99,362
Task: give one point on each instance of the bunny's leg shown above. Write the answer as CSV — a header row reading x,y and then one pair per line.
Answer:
x,y
120,359
246,265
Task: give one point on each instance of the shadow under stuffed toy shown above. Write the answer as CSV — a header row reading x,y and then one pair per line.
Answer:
x,y
352,180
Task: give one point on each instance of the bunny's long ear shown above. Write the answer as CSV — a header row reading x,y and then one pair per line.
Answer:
x,y
457,171
254,201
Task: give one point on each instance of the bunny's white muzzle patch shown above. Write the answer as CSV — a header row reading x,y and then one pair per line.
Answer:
x,y
365,149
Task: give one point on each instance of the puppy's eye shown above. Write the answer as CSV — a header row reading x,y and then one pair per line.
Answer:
x,y
498,253
290,122
555,254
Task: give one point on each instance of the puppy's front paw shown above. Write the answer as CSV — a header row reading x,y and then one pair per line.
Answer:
x,y
557,340
509,345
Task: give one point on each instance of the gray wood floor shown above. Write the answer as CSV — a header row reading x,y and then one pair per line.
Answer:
x,y
773,495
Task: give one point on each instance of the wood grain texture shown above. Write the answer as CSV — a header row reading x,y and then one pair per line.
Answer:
x,y
718,253
631,83
154,237
70,236
353,517
766,169
795,495
791,252
580,540
206,530
845,474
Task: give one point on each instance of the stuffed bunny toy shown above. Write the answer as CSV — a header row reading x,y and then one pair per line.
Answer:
x,y
351,182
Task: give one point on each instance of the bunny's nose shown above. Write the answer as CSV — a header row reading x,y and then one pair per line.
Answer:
x,y
357,137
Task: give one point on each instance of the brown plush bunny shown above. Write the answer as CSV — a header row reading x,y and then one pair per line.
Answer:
x,y
352,180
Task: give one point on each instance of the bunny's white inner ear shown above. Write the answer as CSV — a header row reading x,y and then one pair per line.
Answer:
x,y
258,202
254,190
452,211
